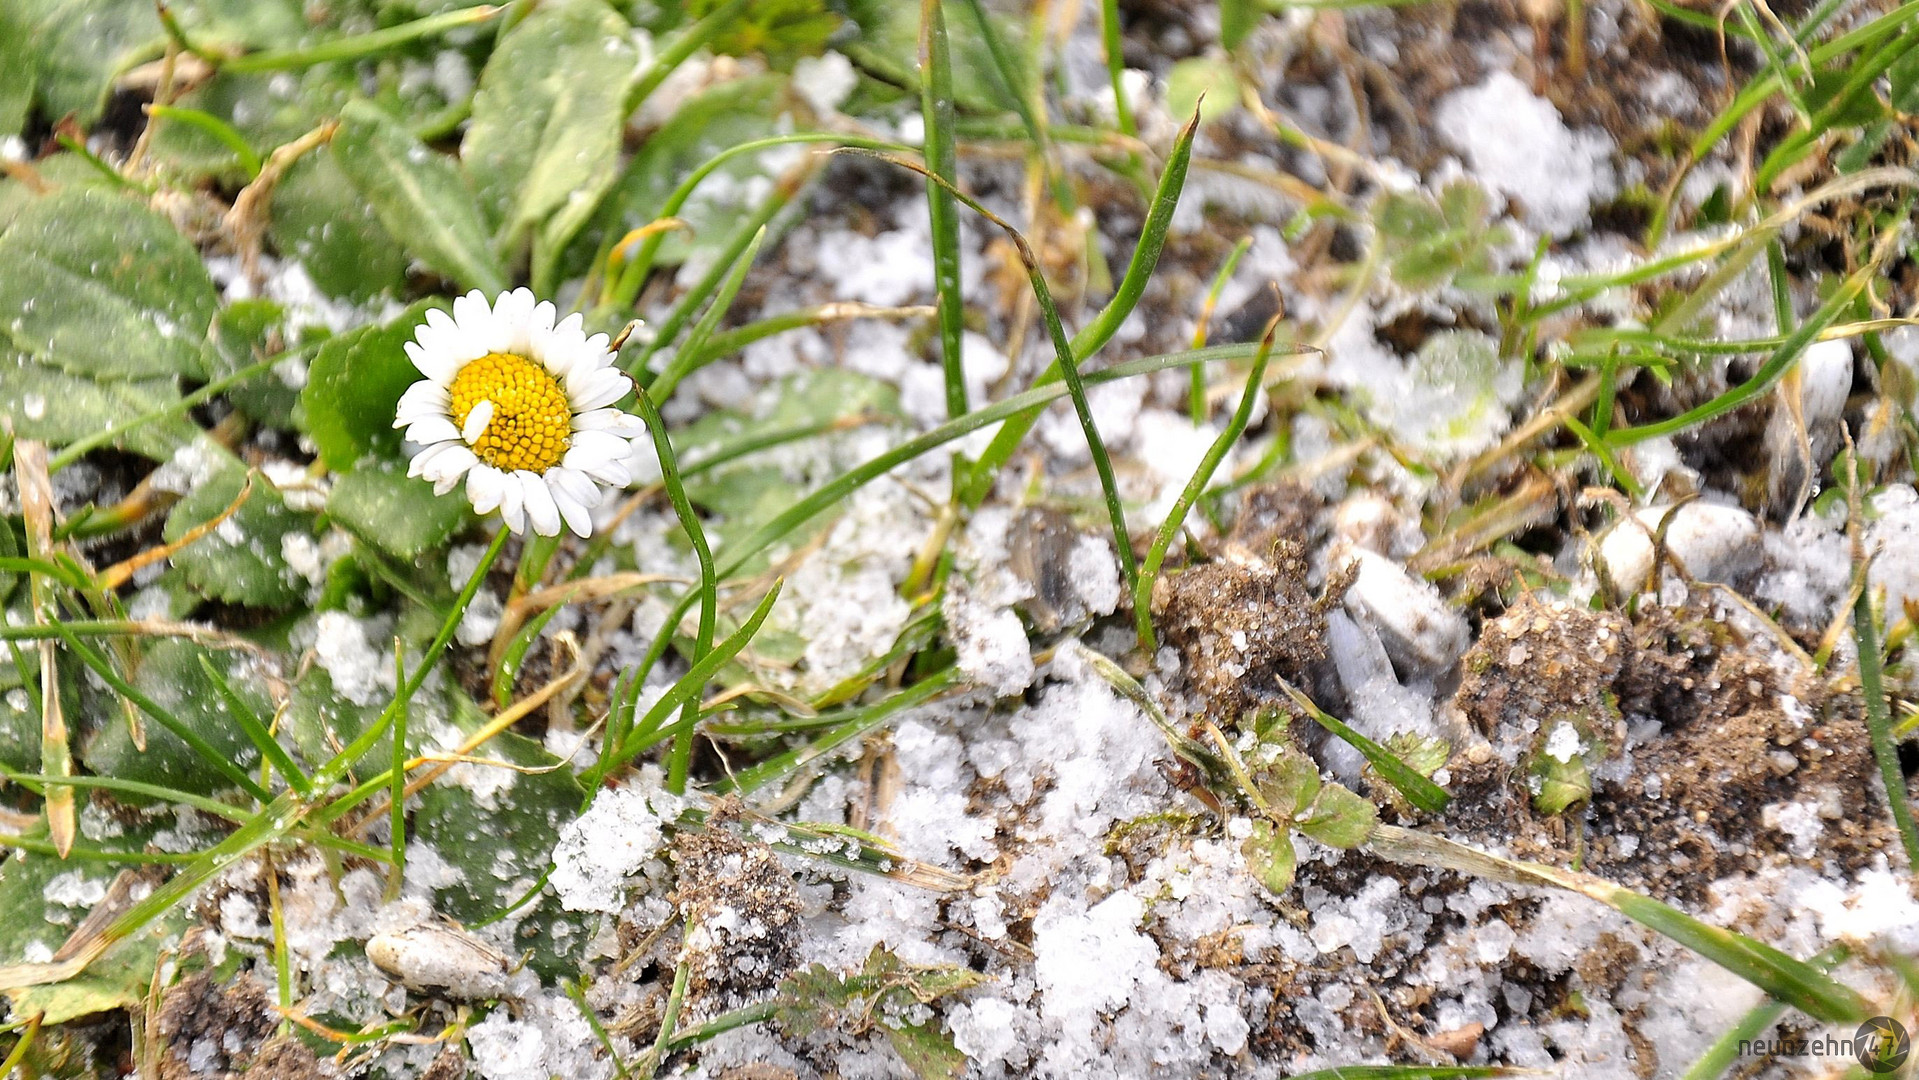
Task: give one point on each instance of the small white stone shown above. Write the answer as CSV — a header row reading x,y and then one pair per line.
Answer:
x,y
1715,543
438,959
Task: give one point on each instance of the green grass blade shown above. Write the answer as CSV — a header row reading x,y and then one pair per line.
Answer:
x,y
690,41
1798,983
1169,528
709,588
648,732
687,357
942,159
857,724
1724,1053
1409,1072
1110,39
736,553
1196,392
1879,723
255,730
1418,790
702,290
396,775
1774,369
360,46
1152,239
330,773
216,127
620,293
152,708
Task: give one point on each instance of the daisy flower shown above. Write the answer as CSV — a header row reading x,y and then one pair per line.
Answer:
x,y
520,408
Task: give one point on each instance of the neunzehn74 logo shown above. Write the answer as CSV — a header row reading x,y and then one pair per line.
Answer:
x,y
1880,1044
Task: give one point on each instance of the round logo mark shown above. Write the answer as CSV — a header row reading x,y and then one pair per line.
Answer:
x,y
1881,1044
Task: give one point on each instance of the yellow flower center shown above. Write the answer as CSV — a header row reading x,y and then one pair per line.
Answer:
x,y
532,422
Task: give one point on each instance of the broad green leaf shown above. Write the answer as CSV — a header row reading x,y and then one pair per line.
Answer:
x,y
713,120
498,830
240,560
927,1050
1237,18
83,44
381,505
1339,818
53,406
18,61
171,674
46,898
242,334
1427,242
1205,82
101,286
778,31
354,385
321,221
544,144
419,196
1269,851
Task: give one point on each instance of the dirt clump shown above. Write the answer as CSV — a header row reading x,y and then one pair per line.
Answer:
x,y
1699,748
218,1032
1244,622
742,913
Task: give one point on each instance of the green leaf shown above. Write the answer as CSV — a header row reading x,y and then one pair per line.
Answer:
x,y
1428,242
544,144
1339,818
888,46
239,561
354,385
18,61
419,196
381,505
722,116
266,110
500,836
927,1050
321,221
1237,18
171,674
98,285
1269,850
1202,75
118,979
53,406
83,44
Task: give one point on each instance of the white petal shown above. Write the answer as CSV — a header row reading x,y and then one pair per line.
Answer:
x,y
512,320
540,509
425,458
471,310
597,420
431,429
421,400
445,484
512,502
452,461
543,315
484,487
597,446
577,517
574,485
596,390
606,470
476,422
434,363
